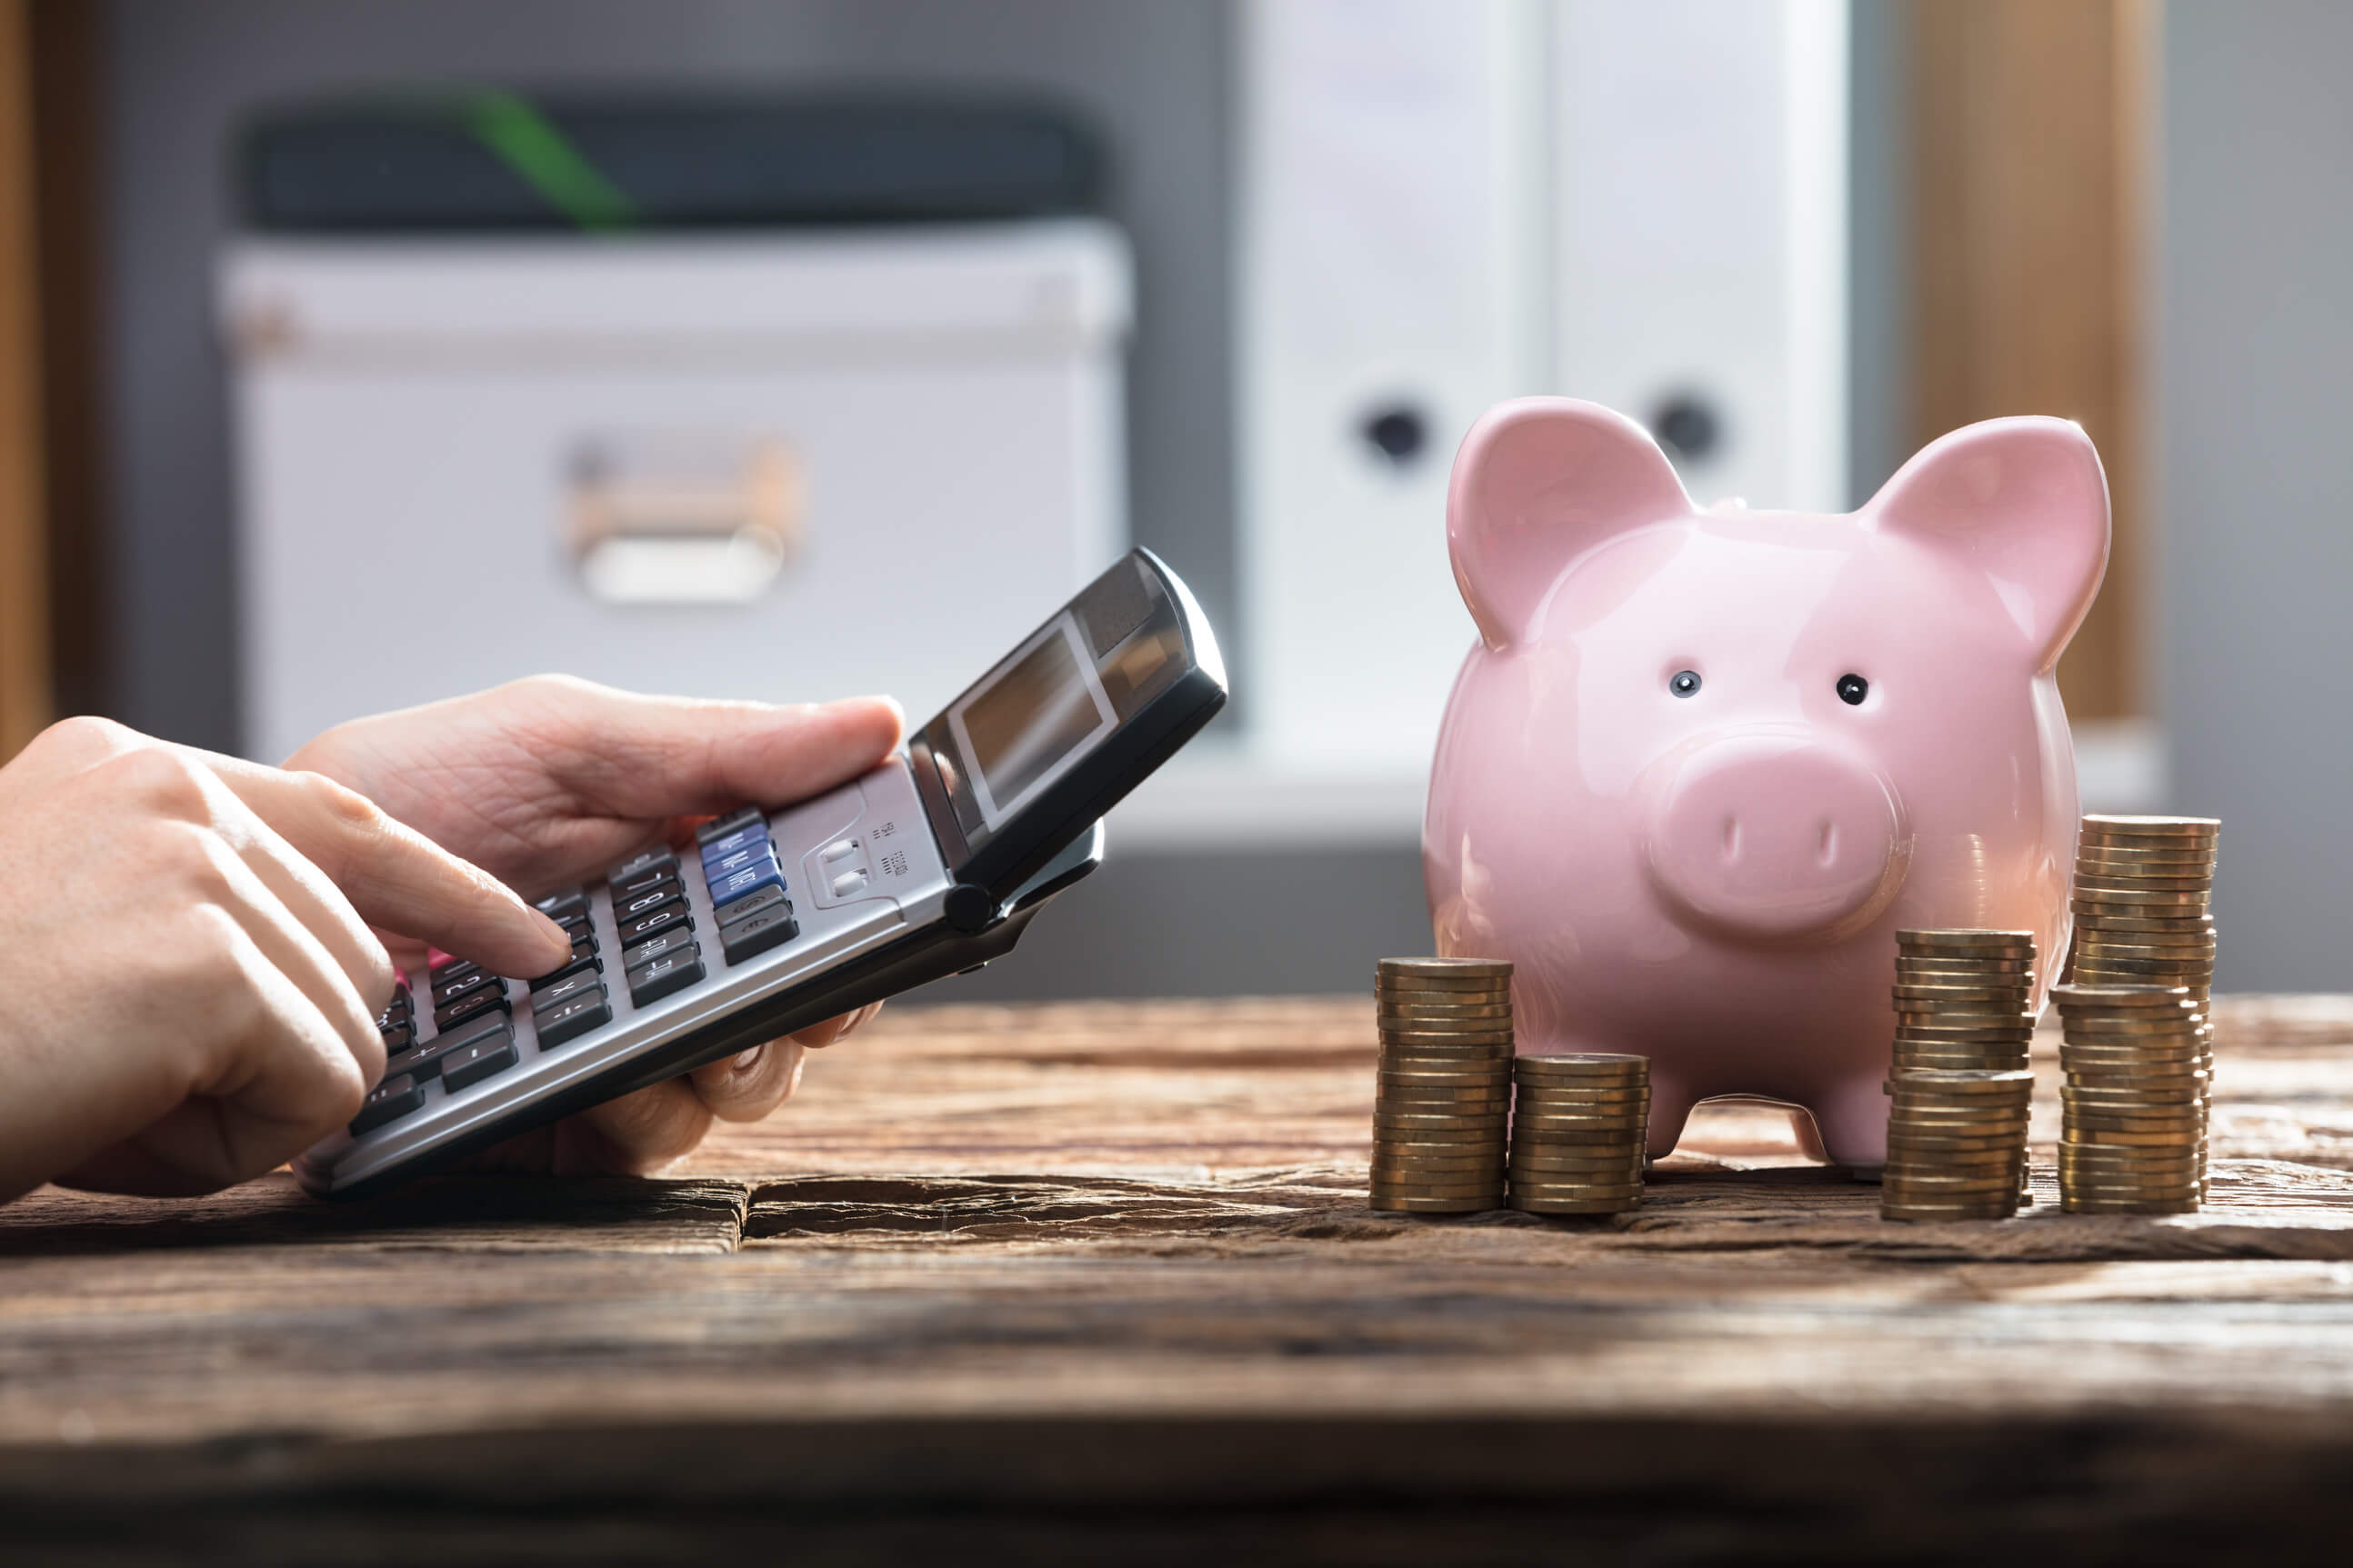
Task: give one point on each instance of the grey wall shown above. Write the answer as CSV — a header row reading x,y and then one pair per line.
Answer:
x,y
2255,376
1151,74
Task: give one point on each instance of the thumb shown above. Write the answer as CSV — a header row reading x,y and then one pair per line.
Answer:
x,y
628,755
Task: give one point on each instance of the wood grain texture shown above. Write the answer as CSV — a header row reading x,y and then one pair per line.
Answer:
x,y
2030,139
1069,1280
24,559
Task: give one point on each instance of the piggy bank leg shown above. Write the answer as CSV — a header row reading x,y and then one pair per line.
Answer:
x,y
1851,1115
1670,1107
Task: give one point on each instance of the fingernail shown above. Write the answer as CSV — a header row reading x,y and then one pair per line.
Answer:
x,y
747,1059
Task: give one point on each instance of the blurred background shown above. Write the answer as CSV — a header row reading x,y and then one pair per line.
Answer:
x,y
355,353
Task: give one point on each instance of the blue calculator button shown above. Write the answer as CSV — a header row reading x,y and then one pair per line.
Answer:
x,y
735,843
743,883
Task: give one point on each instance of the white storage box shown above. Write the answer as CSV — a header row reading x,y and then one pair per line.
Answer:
x,y
786,467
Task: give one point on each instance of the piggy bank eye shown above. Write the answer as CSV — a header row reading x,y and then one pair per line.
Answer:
x,y
1685,682
1853,689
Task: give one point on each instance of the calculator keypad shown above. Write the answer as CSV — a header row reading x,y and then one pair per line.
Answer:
x,y
662,954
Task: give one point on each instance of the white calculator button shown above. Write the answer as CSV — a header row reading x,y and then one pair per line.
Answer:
x,y
848,883
840,849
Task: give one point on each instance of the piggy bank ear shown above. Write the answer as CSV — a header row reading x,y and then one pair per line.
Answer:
x,y
1537,483
2024,501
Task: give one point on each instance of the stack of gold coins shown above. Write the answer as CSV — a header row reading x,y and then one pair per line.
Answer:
x,y
1961,999
2133,1135
1956,1143
1578,1128
2144,906
1443,1096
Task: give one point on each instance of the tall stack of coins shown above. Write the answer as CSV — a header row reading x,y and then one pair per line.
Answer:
x,y
1578,1129
1959,1088
2144,902
2133,1134
1443,1096
2144,906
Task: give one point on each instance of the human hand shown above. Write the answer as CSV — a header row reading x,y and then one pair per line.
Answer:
x,y
545,782
192,982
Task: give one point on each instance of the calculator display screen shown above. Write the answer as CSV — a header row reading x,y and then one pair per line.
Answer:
x,y
1047,707
1023,723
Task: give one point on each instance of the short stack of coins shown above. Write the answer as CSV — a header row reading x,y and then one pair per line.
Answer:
x,y
2139,1066
2144,905
1580,1126
1958,1084
1443,1096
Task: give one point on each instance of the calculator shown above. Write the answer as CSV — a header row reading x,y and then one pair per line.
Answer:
x,y
769,921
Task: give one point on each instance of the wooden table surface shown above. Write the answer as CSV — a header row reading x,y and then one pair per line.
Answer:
x,y
1099,1280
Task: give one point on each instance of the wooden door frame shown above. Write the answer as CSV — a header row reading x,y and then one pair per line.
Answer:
x,y
2030,131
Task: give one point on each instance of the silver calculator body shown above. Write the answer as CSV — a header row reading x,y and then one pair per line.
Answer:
x,y
772,921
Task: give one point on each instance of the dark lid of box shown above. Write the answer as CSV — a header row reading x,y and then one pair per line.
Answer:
x,y
489,162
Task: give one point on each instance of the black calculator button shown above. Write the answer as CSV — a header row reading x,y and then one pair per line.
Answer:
x,y
450,990
637,904
579,928
399,1036
653,947
672,972
745,938
449,968
583,957
470,1065
472,1004
562,906
736,821
567,1021
394,1096
744,908
547,994
672,913
424,1060
653,863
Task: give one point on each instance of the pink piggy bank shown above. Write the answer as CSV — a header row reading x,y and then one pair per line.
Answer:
x,y
1703,764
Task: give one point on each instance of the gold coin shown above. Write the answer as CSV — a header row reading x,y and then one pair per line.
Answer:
x,y
1575,1189
1529,1140
1462,1032
1934,1188
2150,824
1544,1158
1930,1162
1395,1038
2080,1137
1552,1097
1968,1034
1571,1206
1965,940
1973,1082
2135,860
1964,962
1455,985
1617,1061
1444,1008
1432,1205
1447,968
1533,1069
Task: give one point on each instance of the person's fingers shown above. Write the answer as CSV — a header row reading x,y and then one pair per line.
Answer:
x,y
395,877
634,756
282,1072
750,1084
642,1133
817,1037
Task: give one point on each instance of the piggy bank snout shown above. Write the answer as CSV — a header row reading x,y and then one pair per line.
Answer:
x,y
1773,836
